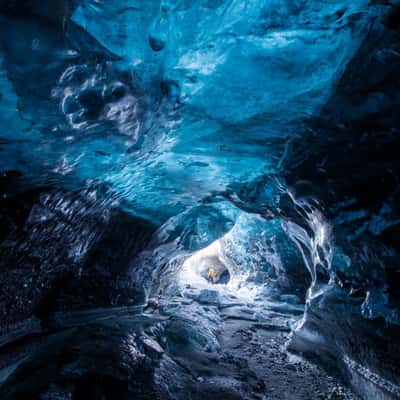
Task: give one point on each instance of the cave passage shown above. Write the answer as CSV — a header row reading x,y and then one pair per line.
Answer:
x,y
199,199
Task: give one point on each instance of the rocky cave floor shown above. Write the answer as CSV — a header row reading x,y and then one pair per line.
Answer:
x,y
196,345
251,361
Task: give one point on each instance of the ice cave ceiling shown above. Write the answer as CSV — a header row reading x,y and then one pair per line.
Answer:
x,y
143,142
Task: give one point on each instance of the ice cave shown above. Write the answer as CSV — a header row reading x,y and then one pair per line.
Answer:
x,y
199,199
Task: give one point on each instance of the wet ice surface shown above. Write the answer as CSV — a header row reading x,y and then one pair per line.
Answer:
x,y
170,125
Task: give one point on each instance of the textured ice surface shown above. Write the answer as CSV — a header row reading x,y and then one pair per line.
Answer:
x,y
142,140
215,104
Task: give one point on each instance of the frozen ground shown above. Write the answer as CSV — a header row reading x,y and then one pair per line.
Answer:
x,y
249,359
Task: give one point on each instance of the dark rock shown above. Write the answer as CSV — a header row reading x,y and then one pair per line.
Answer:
x,y
68,255
56,11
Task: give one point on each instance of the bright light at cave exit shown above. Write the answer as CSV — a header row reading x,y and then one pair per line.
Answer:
x,y
193,272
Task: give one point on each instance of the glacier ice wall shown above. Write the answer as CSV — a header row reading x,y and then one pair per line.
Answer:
x,y
137,133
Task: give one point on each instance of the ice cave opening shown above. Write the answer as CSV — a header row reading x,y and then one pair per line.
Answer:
x,y
196,269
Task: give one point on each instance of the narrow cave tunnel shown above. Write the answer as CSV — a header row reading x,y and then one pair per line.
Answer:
x,y
214,271
199,200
